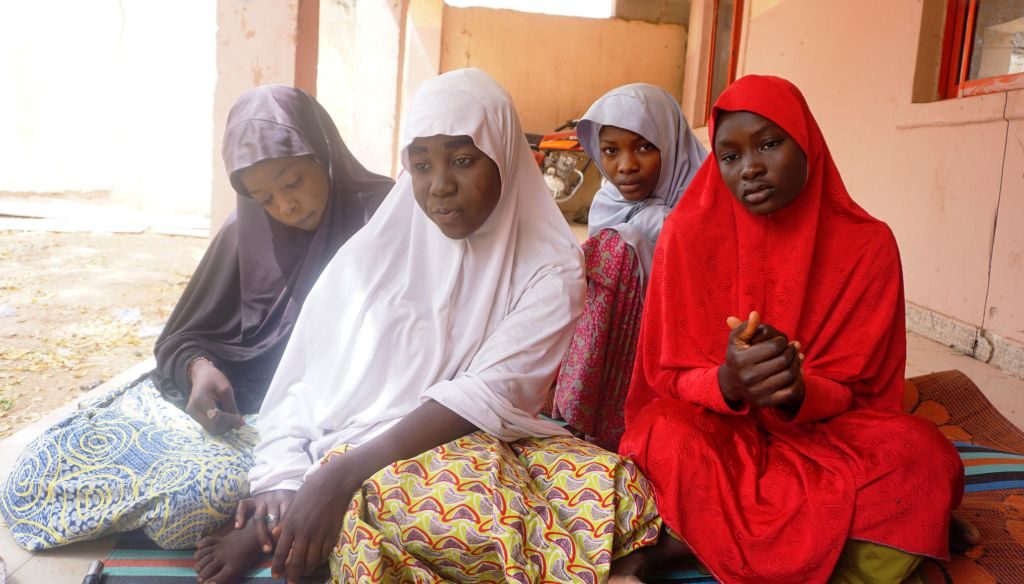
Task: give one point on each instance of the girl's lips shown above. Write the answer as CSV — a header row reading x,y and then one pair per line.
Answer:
x,y
759,196
447,215
630,187
306,221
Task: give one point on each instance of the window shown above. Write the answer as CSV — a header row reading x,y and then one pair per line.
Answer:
x,y
983,50
725,36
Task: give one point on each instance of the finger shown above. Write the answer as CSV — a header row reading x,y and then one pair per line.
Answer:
x,y
284,548
742,332
262,535
769,376
226,396
225,421
772,385
765,332
756,354
198,409
780,398
753,321
327,548
314,551
243,511
283,509
297,560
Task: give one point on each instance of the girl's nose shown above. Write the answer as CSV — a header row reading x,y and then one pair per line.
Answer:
x,y
752,170
442,184
286,206
628,163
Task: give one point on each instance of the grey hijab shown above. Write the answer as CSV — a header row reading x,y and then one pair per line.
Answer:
x,y
654,114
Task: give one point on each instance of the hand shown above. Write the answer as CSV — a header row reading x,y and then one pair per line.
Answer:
x,y
212,401
307,534
761,366
267,510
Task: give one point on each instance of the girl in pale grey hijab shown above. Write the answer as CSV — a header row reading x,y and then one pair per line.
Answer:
x,y
647,156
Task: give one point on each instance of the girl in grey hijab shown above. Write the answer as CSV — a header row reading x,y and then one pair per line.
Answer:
x,y
653,114
647,155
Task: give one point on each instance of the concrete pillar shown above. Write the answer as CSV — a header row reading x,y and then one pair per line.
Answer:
x,y
360,75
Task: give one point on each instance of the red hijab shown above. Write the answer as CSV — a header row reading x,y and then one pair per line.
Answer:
x,y
822,271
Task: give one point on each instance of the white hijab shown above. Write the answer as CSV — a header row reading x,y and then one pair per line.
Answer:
x,y
403,314
654,114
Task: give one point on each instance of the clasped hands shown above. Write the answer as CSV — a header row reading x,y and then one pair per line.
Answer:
x,y
762,367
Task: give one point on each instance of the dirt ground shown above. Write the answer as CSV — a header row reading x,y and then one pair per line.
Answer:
x,y
78,308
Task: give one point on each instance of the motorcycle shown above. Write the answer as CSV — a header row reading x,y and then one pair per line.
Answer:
x,y
561,159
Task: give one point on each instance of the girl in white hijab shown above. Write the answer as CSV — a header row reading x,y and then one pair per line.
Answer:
x,y
412,383
647,156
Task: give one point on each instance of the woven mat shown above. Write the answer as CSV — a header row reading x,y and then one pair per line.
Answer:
x,y
991,448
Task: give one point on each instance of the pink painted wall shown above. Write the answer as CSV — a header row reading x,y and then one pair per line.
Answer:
x,y
1005,314
939,173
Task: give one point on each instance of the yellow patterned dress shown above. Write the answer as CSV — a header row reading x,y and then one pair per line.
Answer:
x,y
126,460
481,510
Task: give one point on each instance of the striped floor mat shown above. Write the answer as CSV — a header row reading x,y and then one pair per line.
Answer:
x,y
135,559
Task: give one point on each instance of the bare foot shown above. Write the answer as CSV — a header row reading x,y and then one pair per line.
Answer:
x,y
963,535
225,559
633,568
629,569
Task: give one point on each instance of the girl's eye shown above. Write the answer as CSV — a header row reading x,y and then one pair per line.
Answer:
x,y
266,201
420,166
463,161
294,182
646,147
770,144
728,157
609,151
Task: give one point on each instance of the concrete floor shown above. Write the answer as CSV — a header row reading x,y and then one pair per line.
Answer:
x,y
68,565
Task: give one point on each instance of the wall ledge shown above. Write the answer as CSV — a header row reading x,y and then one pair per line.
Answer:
x,y
962,111
983,345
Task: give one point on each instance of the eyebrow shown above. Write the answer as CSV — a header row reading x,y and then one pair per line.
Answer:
x,y
458,142
764,127
448,145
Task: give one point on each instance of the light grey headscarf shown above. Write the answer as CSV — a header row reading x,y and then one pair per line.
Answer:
x,y
653,113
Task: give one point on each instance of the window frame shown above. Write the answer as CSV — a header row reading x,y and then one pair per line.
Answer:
x,y
957,45
734,50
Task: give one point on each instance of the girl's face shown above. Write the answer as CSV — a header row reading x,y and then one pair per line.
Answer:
x,y
454,182
630,161
761,164
292,190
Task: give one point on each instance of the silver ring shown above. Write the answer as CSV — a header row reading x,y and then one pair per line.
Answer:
x,y
271,518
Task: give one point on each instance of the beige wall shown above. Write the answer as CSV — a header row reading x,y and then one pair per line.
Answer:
x,y
947,176
104,96
556,66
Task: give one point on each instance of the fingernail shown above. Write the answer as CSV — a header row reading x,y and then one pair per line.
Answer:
x,y
238,525
266,549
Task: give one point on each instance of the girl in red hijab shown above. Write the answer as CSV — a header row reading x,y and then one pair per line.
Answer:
x,y
776,445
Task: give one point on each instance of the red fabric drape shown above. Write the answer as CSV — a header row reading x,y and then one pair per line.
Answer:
x,y
759,498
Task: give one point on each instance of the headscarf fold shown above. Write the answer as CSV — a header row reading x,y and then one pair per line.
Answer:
x,y
244,297
822,271
653,113
404,314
